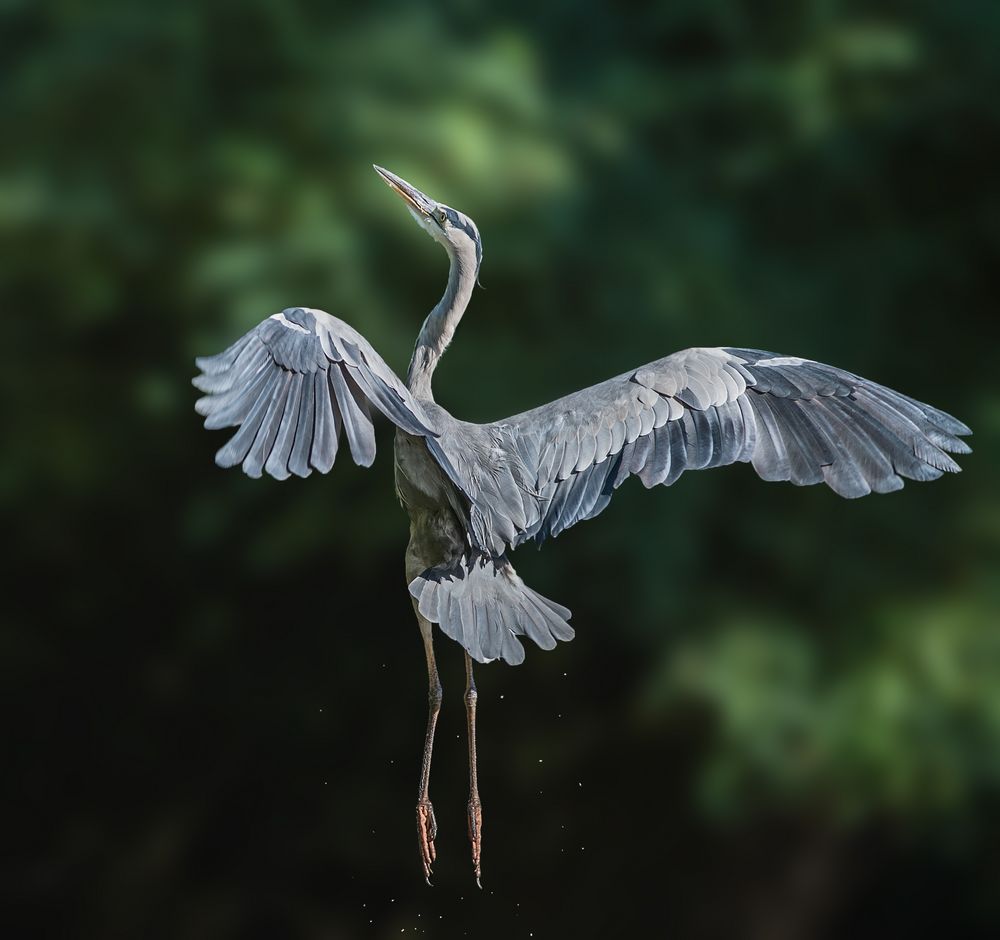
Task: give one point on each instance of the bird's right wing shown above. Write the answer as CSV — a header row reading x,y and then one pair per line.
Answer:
x,y
291,385
535,474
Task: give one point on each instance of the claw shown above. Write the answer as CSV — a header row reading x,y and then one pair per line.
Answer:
x,y
426,834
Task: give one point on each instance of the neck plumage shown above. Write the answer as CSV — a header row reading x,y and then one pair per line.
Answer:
x,y
439,327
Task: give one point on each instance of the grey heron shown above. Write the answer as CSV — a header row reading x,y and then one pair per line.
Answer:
x,y
303,379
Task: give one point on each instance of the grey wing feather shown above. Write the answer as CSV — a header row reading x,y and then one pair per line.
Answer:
x,y
793,419
298,460
291,385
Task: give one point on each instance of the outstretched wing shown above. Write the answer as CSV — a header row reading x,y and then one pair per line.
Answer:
x,y
793,419
291,385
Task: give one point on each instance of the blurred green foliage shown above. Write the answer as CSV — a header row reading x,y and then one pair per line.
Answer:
x,y
778,675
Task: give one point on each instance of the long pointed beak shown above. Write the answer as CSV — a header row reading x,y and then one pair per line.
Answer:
x,y
413,196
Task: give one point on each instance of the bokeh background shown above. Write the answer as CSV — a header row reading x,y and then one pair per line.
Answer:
x,y
781,715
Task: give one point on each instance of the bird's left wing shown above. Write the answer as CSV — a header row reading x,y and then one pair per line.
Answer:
x,y
291,385
537,473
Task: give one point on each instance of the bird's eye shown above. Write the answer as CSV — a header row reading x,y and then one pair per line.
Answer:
x,y
442,216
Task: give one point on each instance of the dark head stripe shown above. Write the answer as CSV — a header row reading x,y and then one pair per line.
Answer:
x,y
469,227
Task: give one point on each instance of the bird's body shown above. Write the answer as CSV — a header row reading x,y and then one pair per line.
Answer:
x,y
303,379
437,531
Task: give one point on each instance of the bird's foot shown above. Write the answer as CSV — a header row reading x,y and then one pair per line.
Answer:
x,y
426,834
476,835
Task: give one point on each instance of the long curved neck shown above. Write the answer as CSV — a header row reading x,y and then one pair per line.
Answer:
x,y
439,327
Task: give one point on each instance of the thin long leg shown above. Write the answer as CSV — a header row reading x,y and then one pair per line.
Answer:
x,y
475,807
426,823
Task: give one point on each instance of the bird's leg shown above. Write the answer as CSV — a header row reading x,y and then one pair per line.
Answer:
x,y
426,823
475,807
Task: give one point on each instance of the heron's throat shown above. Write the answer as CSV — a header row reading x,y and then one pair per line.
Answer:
x,y
439,327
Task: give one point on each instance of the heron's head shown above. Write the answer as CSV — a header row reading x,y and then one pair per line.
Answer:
x,y
453,229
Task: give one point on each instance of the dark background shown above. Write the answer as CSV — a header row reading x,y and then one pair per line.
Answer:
x,y
781,715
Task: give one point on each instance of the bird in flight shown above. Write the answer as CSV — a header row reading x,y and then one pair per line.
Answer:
x,y
302,381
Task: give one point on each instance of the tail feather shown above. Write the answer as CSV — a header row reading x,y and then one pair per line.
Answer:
x,y
480,602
